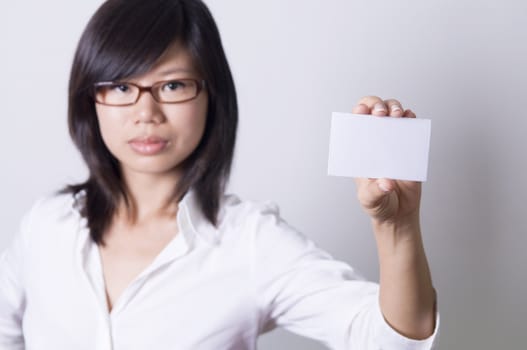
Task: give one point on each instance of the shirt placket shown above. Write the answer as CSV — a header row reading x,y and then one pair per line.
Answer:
x,y
178,247
93,271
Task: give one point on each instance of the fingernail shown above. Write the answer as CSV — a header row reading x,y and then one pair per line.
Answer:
x,y
379,107
396,108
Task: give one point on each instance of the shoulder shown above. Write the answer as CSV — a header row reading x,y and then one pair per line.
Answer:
x,y
253,217
240,211
50,213
261,223
53,207
48,226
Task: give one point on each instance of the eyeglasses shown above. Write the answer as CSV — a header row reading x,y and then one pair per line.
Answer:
x,y
122,93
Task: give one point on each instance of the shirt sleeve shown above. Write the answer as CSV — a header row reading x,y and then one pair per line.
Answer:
x,y
12,298
303,289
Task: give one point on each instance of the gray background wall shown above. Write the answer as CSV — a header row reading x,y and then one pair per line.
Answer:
x,y
460,63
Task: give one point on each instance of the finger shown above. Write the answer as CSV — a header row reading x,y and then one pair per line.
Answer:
x,y
409,114
372,192
380,109
375,105
386,185
394,107
361,109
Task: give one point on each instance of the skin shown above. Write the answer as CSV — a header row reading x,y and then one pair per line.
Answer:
x,y
150,179
407,297
133,241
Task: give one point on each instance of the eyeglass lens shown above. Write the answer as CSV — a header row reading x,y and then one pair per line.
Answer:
x,y
124,93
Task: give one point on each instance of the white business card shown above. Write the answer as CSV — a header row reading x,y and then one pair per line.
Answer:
x,y
379,147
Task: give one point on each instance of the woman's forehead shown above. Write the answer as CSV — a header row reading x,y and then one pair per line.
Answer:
x,y
176,60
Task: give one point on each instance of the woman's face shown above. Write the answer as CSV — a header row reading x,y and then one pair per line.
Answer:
x,y
150,137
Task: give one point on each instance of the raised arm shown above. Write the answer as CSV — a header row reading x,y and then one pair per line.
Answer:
x,y
407,297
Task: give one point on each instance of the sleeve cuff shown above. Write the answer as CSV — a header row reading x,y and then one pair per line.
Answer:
x,y
389,338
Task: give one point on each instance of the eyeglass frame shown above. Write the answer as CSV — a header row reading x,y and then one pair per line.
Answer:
x,y
200,84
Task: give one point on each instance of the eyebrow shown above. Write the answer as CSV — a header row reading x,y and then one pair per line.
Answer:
x,y
175,70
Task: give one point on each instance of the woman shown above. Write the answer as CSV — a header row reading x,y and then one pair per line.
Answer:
x,y
149,252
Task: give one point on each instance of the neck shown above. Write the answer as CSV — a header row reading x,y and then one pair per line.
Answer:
x,y
151,196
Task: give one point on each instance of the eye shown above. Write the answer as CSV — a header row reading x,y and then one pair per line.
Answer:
x,y
121,87
173,85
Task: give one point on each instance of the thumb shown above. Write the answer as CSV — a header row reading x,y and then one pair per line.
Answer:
x,y
375,191
385,185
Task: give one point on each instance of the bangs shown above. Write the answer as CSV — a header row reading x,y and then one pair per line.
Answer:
x,y
127,42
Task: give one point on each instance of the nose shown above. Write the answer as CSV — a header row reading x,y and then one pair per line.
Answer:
x,y
148,110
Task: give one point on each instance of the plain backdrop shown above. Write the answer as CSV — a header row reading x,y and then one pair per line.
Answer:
x,y
459,63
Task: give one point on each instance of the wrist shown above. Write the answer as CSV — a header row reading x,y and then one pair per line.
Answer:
x,y
401,225
393,233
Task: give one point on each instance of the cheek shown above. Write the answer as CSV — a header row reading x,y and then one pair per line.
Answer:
x,y
109,130
193,123
197,127
107,133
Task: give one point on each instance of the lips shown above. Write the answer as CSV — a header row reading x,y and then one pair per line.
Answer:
x,y
148,146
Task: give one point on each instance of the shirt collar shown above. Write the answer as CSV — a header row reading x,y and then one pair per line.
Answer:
x,y
191,221
191,218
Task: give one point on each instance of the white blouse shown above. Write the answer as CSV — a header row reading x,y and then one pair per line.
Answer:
x,y
210,288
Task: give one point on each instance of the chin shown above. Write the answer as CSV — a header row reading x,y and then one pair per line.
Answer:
x,y
153,168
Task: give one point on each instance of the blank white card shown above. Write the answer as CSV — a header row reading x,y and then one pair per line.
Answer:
x,y
379,147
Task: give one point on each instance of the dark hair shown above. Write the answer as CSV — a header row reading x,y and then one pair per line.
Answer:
x,y
126,38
